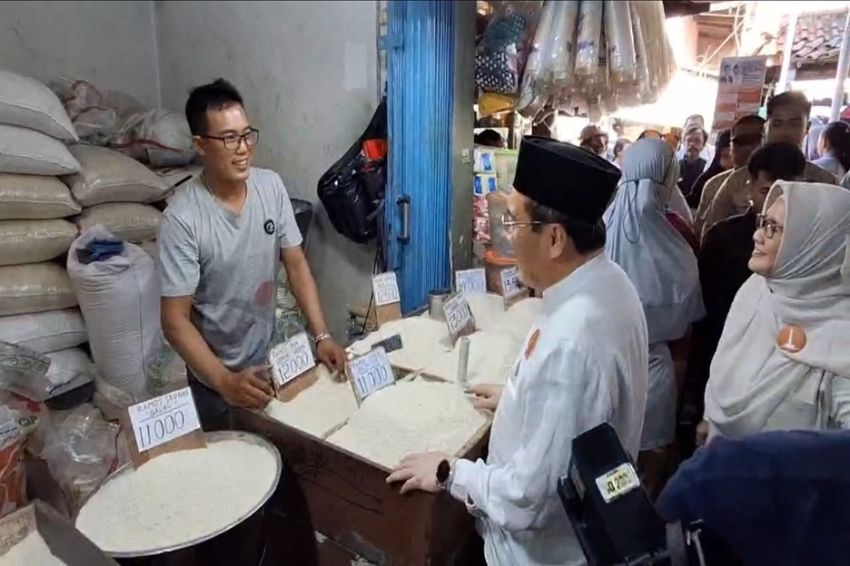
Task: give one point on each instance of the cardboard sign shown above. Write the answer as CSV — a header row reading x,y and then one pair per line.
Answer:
x,y
369,373
387,297
162,419
471,281
511,285
385,287
458,317
291,359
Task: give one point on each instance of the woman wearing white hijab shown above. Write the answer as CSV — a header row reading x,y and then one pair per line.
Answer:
x,y
663,269
783,361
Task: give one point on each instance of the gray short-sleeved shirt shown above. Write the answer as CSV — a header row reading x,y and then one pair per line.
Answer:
x,y
229,263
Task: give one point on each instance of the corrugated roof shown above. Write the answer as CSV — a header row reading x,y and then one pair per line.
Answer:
x,y
817,38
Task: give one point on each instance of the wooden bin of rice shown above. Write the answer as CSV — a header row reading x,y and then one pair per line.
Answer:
x,y
341,478
182,498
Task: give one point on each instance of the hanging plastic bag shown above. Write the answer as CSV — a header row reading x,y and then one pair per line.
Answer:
x,y
562,58
643,91
501,54
588,40
536,80
622,64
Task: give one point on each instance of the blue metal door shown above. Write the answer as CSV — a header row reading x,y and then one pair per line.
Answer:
x,y
420,79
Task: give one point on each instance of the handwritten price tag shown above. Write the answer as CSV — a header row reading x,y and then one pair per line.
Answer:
x,y
164,418
369,373
385,287
510,282
291,359
458,316
471,281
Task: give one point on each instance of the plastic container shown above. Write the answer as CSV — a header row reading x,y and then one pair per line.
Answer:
x,y
494,264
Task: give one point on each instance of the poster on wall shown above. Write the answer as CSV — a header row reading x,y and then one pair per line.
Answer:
x,y
739,93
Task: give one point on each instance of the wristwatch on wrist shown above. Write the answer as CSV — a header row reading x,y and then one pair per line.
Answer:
x,y
321,336
444,474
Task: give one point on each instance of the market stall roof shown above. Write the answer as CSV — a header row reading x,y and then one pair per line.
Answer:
x,y
685,7
817,39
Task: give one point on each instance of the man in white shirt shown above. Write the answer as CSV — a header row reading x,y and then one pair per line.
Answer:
x,y
583,363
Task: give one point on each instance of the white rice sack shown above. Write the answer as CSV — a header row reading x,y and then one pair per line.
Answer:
x,y
30,104
34,197
109,176
130,222
65,365
119,298
44,331
163,139
36,287
34,241
32,153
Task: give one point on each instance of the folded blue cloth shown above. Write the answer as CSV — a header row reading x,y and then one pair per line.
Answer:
x,y
99,250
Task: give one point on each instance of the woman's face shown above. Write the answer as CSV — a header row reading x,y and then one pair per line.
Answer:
x,y
767,238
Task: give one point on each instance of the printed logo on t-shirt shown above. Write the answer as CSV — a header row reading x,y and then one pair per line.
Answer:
x,y
268,226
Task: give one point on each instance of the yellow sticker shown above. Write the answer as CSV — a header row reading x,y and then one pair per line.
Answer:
x,y
617,482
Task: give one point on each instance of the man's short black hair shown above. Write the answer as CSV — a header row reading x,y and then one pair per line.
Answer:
x,y
781,161
789,98
213,96
490,137
586,237
749,120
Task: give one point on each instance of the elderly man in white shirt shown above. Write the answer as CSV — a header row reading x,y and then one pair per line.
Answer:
x,y
583,363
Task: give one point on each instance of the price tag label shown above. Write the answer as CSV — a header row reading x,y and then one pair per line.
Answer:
x,y
164,418
617,482
291,359
510,282
385,287
458,316
369,373
9,429
471,281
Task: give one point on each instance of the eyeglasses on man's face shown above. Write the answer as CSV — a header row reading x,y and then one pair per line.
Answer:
x,y
510,223
769,226
233,141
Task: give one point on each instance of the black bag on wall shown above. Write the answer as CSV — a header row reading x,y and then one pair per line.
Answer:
x,y
352,190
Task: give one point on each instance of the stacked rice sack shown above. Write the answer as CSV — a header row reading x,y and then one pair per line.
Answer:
x,y
37,301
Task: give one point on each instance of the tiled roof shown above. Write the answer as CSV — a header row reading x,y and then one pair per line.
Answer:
x,y
817,38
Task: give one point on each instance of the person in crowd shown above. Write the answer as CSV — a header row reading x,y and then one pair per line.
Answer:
x,y
783,362
583,363
812,144
663,269
620,146
691,166
221,242
651,134
723,263
747,135
834,148
722,162
695,121
490,138
594,140
787,120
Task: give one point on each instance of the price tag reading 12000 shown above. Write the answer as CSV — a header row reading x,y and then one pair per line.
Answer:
x,y
370,373
291,359
164,418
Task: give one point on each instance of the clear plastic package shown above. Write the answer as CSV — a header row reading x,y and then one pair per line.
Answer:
x,y
501,54
588,42
622,62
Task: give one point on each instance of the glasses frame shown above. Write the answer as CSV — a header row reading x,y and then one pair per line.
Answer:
x,y
239,139
769,227
510,225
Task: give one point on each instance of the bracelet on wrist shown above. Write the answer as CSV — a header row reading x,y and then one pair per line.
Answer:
x,y
321,336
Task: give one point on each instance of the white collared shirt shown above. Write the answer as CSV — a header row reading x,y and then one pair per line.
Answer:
x,y
583,363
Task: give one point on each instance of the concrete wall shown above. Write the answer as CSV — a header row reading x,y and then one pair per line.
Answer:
x,y
307,71
111,44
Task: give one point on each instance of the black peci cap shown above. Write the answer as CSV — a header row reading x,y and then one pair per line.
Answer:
x,y
566,178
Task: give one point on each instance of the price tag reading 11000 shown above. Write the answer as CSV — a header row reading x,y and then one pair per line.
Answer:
x,y
370,373
164,418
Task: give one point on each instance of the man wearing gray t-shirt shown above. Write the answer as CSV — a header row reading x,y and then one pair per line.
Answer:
x,y
220,243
